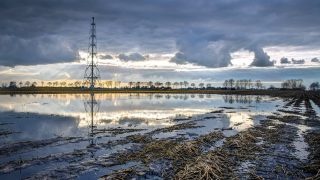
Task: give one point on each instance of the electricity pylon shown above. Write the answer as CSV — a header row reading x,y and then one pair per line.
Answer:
x,y
92,73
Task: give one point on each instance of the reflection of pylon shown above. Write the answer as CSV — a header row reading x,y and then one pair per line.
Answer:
x,y
92,73
92,107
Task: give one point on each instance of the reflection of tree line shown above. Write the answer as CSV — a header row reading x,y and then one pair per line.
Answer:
x,y
114,96
179,96
244,99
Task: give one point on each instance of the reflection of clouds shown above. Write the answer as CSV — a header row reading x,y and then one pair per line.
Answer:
x,y
240,120
149,109
141,117
114,97
37,126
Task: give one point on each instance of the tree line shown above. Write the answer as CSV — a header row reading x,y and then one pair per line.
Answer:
x,y
242,84
230,84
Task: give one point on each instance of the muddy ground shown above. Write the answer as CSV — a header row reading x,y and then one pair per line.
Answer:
x,y
266,151
285,145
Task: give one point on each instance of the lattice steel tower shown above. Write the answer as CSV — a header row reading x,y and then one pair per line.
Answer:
x,y
92,73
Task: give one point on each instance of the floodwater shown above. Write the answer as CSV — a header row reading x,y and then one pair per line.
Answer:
x,y
71,136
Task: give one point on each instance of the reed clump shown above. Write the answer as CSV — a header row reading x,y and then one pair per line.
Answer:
x,y
213,165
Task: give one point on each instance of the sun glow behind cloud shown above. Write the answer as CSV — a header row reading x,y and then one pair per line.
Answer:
x,y
157,67
239,59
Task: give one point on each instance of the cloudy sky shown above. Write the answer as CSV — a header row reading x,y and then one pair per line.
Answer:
x,y
203,40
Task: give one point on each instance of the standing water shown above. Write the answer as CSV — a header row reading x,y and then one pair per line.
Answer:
x,y
80,136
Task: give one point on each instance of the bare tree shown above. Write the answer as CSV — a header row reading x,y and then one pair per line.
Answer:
x,y
314,86
231,83
157,84
12,84
71,84
168,84
293,84
55,83
245,83
186,84
226,84
34,84
249,83
175,85
27,83
181,84
201,85
258,84
138,84
108,84
77,83
150,84
193,85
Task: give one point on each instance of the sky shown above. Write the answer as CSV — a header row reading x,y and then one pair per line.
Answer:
x,y
161,40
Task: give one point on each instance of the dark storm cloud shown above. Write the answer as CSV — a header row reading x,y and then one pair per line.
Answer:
x,y
284,60
315,60
203,49
131,57
298,61
205,32
107,56
40,50
261,58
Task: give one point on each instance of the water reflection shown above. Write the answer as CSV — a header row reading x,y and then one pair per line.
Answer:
x,y
114,96
131,109
243,99
92,107
49,122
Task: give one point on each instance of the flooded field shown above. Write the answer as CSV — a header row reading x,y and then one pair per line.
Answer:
x,y
158,136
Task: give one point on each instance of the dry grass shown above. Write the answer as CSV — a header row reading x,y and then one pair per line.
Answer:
x,y
190,162
179,153
138,138
186,125
120,175
243,146
214,165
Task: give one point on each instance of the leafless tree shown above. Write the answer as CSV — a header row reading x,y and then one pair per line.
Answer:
x,y
258,84
168,84
201,85
150,84
314,86
181,84
175,84
292,84
186,84
226,84
27,83
34,84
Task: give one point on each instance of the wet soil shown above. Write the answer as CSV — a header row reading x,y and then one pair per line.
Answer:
x,y
284,145
266,151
